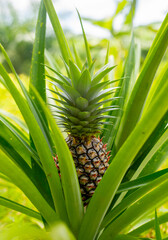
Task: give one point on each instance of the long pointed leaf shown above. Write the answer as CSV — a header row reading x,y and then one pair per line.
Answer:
x,y
89,58
157,229
14,137
101,74
144,227
77,58
66,54
37,77
75,73
19,208
139,182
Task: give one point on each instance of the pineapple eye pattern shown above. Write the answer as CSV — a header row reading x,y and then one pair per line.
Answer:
x,y
91,161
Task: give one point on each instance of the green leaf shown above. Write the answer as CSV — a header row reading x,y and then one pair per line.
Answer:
x,y
143,169
158,84
69,93
139,182
97,77
157,229
144,227
84,83
19,208
66,53
77,58
131,69
75,73
103,94
91,68
107,60
62,77
95,90
61,95
89,58
37,77
18,121
142,86
95,106
164,25
10,151
15,139
57,82
69,177
159,157
105,191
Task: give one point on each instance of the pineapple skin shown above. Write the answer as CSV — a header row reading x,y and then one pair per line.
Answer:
x,y
91,161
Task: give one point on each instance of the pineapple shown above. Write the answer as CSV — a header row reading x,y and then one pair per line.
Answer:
x,y
82,100
81,113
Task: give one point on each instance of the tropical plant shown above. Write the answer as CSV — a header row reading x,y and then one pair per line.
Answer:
x,y
136,134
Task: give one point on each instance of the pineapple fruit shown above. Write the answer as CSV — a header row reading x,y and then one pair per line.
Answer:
x,y
81,113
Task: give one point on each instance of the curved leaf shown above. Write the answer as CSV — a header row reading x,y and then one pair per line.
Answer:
x,y
19,208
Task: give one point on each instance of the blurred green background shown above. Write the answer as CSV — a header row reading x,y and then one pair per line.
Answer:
x,y
108,21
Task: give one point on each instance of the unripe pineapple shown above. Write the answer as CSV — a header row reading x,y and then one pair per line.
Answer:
x,y
81,112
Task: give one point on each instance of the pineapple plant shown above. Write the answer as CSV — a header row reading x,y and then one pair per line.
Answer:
x,y
120,193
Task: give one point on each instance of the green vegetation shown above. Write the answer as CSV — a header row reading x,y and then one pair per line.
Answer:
x,y
124,203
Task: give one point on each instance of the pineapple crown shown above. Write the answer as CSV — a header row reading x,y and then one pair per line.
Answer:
x,y
81,94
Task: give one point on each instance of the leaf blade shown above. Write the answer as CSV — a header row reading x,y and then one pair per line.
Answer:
x,y
66,53
20,208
